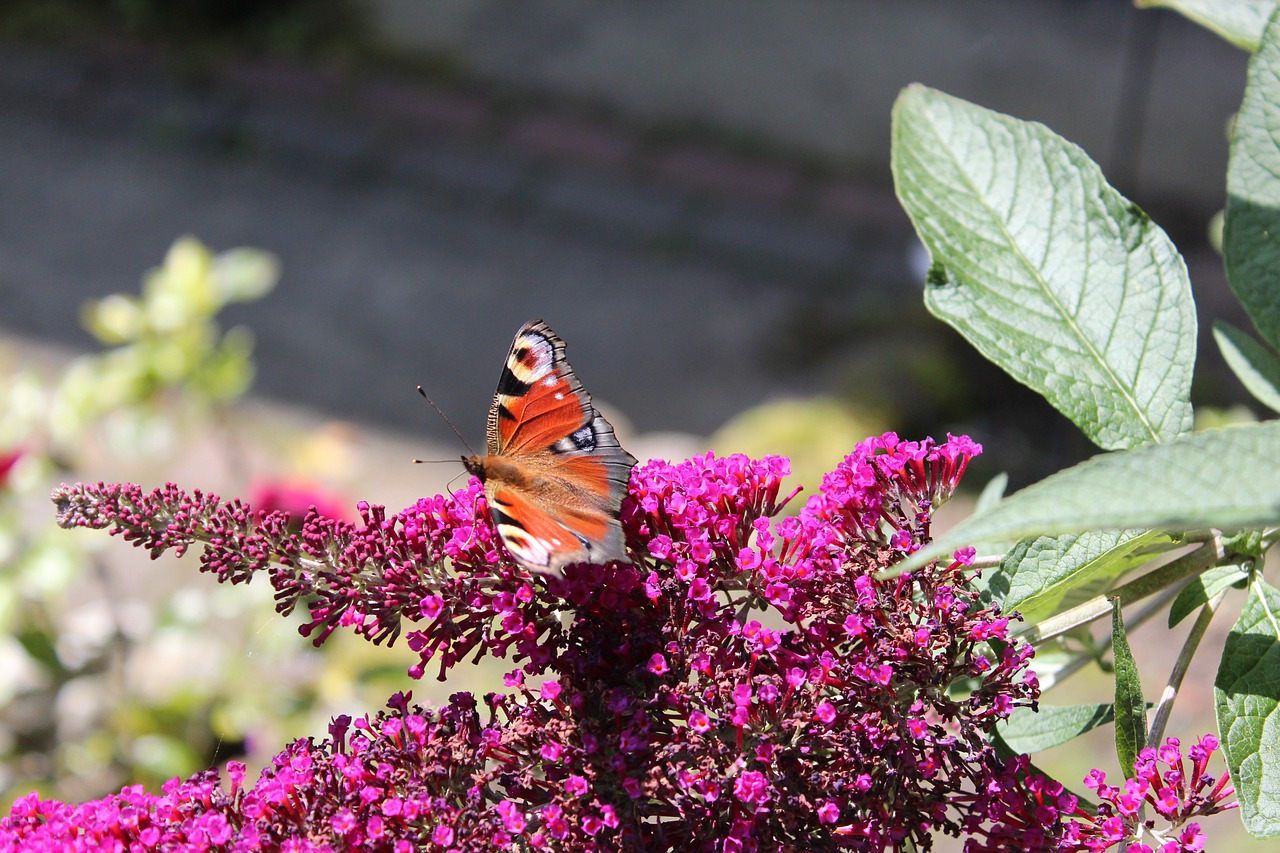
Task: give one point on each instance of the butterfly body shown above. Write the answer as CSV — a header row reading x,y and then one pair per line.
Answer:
x,y
555,474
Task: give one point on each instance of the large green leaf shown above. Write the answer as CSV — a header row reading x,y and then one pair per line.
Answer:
x,y
1247,691
1203,588
1254,365
1131,708
1225,478
1027,731
1238,21
1036,575
1046,269
1251,229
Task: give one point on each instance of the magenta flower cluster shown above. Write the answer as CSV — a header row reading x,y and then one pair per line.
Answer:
x,y
1162,784
749,682
1022,810
402,781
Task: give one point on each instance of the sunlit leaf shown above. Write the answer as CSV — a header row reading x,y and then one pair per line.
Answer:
x,y
1247,693
1238,21
1028,731
1037,574
1046,269
1224,478
1254,365
1202,589
1251,235
1130,707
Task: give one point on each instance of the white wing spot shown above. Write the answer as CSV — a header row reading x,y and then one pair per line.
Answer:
x,y
525,548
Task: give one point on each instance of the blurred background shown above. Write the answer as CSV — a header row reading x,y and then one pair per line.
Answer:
x,y
695,196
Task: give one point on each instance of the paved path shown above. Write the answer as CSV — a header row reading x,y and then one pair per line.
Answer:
x,y
1145,92
419,226
413,243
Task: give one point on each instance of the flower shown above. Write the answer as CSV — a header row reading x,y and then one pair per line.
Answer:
x,y
665,716
1023,810
296,497
1160,782
8,461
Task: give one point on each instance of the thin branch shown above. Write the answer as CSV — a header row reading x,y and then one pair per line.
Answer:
x,y
1096,608
1165,707
1148,610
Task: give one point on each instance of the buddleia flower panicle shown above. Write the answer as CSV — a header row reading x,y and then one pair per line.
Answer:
x,y
1023,810
749,682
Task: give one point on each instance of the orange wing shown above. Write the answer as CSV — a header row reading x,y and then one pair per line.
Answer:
x,y
555,475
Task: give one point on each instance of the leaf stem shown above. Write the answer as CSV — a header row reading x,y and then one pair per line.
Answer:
x,y
1143,615
1096,608
1165,706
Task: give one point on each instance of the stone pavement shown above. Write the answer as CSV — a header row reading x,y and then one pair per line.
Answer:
x,y
1146,92
419,226
694,273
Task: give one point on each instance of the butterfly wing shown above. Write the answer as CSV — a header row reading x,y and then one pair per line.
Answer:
x,y
556,475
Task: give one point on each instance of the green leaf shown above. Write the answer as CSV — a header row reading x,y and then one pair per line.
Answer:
x,y
1203,588
243,275
1046,269
1254,365
1038,573
1251,232
1028,731
1130,709
1247,694
1238,21
40,647
1247,543
1224,478
992,492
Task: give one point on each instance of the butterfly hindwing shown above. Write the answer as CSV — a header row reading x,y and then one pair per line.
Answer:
x,y
537,539
555,476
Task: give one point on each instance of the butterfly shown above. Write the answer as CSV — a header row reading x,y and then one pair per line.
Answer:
x,y
555,475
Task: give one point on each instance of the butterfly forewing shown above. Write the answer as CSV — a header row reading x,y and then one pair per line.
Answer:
x,y
555,475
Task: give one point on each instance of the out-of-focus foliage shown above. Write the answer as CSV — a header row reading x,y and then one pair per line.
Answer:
x,y
163,344
96,673
814,433
105,678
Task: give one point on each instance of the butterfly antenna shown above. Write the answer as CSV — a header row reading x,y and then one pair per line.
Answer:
x,y
427,397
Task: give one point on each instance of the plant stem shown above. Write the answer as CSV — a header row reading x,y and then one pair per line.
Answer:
x,y
1096,608
1144,614
1165,707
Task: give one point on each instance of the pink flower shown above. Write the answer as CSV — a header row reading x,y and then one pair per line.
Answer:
x,y
8,461
297,498
752,788
513,819
597,756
